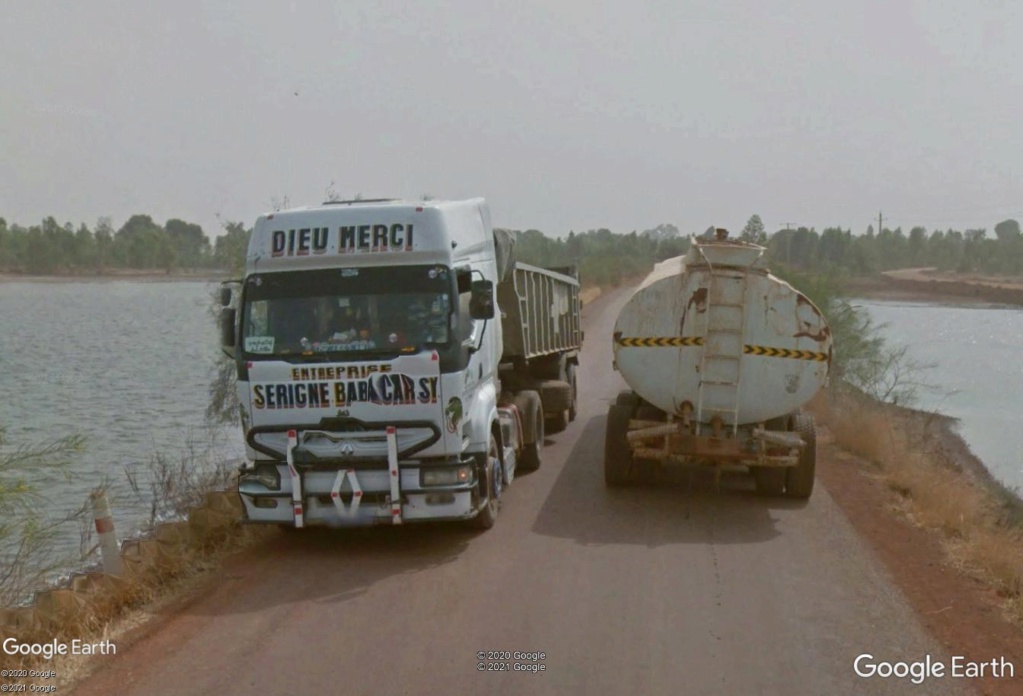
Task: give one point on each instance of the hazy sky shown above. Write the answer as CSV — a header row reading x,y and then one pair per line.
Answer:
x,y
564,115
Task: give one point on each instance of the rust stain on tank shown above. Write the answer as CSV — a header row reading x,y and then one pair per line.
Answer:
x,y
819,337
697,299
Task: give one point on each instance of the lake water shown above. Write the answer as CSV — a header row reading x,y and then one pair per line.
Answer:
x,y
126,364
977,353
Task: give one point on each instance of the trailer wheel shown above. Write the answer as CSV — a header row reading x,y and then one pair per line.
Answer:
x,y
556,396
799,479
617,453
532,408
770,480
550,367
573,410
486,517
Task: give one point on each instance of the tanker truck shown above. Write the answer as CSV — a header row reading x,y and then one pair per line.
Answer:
x,y
394,364
720,356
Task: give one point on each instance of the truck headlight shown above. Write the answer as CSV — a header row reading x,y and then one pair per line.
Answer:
x,y
264,474
445,476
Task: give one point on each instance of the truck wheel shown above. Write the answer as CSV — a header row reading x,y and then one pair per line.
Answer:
x,y
551,367
573,410
557,400
770,480
494,477
617,453
532,409
799,478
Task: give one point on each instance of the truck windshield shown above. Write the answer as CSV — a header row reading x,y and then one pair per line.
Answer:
x,y
347,310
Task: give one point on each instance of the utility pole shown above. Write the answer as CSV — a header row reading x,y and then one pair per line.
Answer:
x,y
788,225
879,219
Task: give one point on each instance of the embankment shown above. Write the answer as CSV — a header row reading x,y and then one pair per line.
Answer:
x,y
929,284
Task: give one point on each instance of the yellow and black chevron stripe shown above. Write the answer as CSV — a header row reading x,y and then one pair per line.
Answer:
x,y
785,353
659,341
674,341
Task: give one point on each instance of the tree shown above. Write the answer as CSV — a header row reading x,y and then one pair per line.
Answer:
x,y
190,243
144,244
230,248
754,231
104,243
1007,231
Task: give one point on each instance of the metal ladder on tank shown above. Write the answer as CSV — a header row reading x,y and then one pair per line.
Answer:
x,y
722,325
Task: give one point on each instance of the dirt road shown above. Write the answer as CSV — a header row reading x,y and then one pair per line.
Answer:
x,y
634,591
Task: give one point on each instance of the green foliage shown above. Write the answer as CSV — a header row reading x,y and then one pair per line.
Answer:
x,y
603,257
26,554
870,253
754,231
231,247
140,243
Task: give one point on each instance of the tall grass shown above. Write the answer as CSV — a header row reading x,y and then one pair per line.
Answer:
x,y
27,556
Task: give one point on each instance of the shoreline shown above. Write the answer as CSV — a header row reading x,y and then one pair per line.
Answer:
x,y
138,276
930,285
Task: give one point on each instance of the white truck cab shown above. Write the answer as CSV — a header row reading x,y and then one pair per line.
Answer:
x,y
368,350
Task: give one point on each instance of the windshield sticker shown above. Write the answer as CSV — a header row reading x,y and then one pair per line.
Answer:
x,y
393,389
259,344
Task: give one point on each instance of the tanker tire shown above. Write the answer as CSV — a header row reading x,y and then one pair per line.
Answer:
x,y
799,478
627,397
486,517
770,480
532,453
573,410
617,453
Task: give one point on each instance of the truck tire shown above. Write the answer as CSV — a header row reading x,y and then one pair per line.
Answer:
x,y
770,480
617,453
550,367
531,410
799,478
573,410
487,516
557,400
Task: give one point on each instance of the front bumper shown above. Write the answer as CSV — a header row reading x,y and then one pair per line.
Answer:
x,y
361,497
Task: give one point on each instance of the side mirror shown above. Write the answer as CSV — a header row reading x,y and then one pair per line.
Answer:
x,y
226,295
228,318
481,303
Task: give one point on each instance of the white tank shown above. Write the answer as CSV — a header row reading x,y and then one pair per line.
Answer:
x,y
715,329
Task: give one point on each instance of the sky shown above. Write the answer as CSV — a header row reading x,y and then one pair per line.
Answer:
x,y
563,114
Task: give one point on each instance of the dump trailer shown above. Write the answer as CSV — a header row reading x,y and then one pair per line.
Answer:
x,y
389,358
542,336
721,356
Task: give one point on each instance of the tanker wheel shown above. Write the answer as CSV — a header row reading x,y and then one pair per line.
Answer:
x,y
493,481
617,453
799,478
770,480
627,397
573,410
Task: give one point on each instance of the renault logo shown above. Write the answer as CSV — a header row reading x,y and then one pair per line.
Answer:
x,y
347,448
